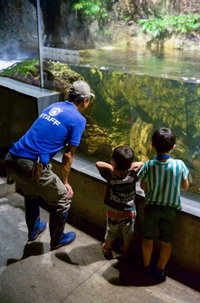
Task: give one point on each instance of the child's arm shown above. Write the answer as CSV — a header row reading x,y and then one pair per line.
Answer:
x,y
106,170
143,186
136,165
185,184
103,165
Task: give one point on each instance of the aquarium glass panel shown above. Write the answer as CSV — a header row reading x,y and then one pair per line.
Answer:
x,y
128,108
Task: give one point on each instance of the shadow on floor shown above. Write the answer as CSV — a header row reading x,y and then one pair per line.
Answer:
x,y
30,249
183,276
131,269
82,255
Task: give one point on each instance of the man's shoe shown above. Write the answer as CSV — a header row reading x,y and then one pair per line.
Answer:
x,y
34,234
65,240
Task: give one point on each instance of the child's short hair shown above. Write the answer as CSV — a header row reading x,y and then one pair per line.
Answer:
x,y
123,157
163,140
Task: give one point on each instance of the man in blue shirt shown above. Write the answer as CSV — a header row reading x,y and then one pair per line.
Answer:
x,y
61,124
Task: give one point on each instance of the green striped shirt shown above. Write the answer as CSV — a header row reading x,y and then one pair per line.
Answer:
x,y
164,181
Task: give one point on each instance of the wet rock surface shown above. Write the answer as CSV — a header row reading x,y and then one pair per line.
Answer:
x,y
64,28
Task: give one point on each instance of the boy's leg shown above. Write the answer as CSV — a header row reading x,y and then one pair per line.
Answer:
x,y
165,253
126,246
166,231
111,234
127,224
150,222
107,250
112,228
147,250
107,245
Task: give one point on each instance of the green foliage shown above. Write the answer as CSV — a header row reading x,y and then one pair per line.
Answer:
x,y
106,32
91,8
181,24
24,67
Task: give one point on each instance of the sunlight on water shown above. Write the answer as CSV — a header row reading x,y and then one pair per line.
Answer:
x,y
173,64
177,65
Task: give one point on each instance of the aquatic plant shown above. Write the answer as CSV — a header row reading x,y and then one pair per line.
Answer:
x,y
57,76
163,26
24,67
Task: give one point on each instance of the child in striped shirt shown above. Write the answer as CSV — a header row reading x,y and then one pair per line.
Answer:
x,y
161,179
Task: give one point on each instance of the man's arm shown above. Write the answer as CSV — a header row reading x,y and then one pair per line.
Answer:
x,y
67,160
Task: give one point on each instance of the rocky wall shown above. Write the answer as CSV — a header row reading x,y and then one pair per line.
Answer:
x,y
62,27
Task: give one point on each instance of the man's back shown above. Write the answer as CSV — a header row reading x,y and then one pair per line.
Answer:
x,y
60,123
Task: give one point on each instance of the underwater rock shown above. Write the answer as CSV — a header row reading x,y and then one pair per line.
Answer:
x,y
95,142
140,139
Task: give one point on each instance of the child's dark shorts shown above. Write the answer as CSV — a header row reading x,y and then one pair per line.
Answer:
x,y
162,217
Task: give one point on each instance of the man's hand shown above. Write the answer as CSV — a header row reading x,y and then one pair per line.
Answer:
x,y
70,191
66,166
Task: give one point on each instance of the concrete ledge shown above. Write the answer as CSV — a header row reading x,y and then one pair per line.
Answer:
x,y
43,96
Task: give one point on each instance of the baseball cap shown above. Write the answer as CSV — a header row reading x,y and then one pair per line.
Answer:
x,y
81,88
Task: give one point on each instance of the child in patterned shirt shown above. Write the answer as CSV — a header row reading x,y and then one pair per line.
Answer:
x,y
119,198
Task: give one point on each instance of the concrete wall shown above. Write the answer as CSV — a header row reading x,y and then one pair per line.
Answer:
x,y
17,114
21,104
186,247
88,204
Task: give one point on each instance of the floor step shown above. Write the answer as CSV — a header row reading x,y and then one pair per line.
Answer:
x,y
6,189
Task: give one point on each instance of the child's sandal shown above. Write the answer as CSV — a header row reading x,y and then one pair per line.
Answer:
x,y
107,253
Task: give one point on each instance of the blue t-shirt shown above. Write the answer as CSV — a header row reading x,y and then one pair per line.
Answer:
x,y
59,124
